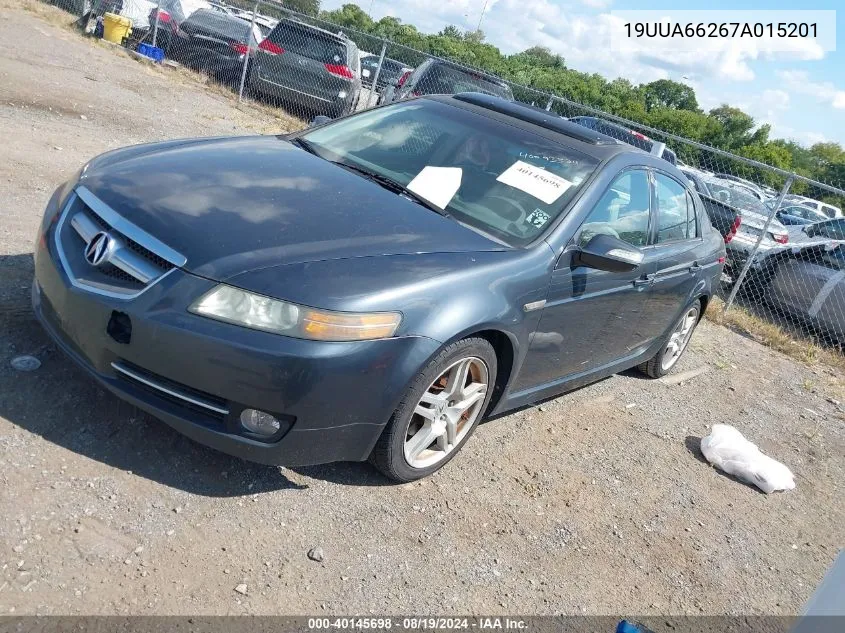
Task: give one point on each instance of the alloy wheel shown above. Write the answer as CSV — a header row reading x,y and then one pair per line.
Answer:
x,y
446,412
679,339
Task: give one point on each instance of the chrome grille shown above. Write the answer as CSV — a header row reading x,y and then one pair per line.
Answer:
x,y
123,262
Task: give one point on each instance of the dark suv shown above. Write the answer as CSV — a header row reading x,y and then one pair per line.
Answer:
x,y
621,133
435,76
314,69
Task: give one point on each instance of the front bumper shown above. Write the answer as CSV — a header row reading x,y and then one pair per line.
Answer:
x,y
335,398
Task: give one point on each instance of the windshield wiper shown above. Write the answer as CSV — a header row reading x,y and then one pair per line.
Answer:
x,y
393,185
303,144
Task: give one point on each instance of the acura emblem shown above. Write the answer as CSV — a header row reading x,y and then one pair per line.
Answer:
x,y
99,248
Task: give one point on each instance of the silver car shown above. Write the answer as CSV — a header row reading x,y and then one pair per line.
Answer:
x,y
810,285
315,71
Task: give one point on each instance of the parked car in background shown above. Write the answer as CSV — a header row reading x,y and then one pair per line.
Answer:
x,y
216,43
828,209
390,72
309,68
826,231
809,284
170,16
632,137
436,76
753,188
797,214
432,261
754,215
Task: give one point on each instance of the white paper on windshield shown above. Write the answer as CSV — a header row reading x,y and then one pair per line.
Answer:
x,y
438,185
535,181
365,73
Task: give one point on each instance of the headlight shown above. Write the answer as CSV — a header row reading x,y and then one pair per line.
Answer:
x,y
233,305
61,196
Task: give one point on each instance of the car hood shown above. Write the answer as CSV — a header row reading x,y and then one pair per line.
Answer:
x,y
233,205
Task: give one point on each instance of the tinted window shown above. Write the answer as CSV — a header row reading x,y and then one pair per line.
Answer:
x,y
442,79
673,212
509,183
622,212
833,229
219,24
309,43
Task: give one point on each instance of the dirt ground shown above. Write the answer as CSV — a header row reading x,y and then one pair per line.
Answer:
x,y
597,502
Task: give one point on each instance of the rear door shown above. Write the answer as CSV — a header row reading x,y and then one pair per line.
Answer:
x,y
306,60
681,256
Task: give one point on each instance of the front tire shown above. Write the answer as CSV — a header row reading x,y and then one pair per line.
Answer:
x,y
675,344
439,412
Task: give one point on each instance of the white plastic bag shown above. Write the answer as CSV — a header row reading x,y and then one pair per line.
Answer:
x,y
728,450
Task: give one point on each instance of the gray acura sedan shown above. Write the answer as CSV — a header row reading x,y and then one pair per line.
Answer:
x,y
375,286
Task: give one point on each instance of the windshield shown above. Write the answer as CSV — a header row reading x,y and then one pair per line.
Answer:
x,y
309,42
833,229
505,182
443,79
736,196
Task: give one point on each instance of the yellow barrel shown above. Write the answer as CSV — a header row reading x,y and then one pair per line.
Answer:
x,y
116,27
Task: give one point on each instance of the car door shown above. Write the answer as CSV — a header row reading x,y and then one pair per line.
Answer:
x,y
678,252
591,317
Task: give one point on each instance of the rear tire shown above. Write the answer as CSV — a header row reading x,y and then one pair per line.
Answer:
x,y
674,345
431,425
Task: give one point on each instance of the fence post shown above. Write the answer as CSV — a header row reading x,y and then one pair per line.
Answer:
x,y
374,86
549,104
248,52
155,28
750,259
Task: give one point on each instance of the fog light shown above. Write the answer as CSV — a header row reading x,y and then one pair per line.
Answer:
x,y
260,423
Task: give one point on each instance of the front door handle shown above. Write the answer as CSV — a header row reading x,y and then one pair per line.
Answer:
x,y
646,280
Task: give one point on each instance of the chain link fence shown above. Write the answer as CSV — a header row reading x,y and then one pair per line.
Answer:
x,y
784,233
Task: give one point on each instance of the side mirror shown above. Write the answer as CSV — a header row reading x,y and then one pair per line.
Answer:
x,y
604,252
320,119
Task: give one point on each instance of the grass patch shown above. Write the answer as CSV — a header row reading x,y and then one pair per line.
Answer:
x,y
741,320
251,115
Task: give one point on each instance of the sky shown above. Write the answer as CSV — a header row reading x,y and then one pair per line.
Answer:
x,y
800,94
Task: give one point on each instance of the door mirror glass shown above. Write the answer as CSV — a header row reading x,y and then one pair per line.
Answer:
x,y
604,252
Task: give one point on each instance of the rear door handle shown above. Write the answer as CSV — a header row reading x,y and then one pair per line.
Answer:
x,y
644,281
695,268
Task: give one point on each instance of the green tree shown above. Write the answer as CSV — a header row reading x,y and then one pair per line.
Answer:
x,y
308,7
665,93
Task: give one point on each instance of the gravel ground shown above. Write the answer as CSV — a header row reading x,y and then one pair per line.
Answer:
x,y
597,502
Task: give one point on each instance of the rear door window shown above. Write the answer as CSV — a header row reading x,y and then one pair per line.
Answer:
x,y
675,214
309,43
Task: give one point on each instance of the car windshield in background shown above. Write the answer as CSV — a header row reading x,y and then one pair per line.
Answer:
x,y
388,65
831,229
225,26
736,196
443,79
310,43
507,183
